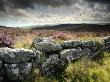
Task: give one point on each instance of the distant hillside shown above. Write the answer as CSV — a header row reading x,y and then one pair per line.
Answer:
x,y
76,27
67,27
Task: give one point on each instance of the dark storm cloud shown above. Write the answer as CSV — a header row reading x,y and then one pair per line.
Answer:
x,y
100,1
29,3
54,11
14,3
54,3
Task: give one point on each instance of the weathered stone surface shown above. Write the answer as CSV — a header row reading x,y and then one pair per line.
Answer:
x,y
51,65
18,71
40,57
87,52
71,44
95,47
107,43
68,55
46,45
15,64
16,55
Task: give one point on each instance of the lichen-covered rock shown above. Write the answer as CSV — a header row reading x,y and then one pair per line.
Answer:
x,y
68,55
93,45
18,71
107,43
16,64
71,44
96,48
13,56
46,45
87,52
51,65
40,57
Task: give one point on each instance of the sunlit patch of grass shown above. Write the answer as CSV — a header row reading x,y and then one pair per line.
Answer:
x,y
90,37
88,71
23,42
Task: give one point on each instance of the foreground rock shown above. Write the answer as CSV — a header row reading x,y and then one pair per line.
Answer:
x,y
46,45
15,64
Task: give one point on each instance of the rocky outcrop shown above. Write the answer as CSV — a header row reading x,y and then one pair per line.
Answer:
x,y
15,64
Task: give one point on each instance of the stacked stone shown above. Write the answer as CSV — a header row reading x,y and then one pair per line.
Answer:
x,y
46,45
71,50
48,61
92,49
15,64
107,43
55,57
71,44
95,48
69,55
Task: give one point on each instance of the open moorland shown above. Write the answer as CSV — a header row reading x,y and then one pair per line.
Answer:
x,y
82,70
24,36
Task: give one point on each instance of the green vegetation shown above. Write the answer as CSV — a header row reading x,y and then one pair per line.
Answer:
x,y
84,70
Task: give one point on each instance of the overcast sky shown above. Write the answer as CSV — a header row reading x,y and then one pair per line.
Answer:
x,y
40,12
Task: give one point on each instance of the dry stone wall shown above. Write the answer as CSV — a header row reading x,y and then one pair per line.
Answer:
x,y
17,65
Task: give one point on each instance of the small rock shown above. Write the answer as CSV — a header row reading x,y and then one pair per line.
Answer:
x,y
39,58
107,44
71,44
68,55
95,47
46,45
51,65
87,52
